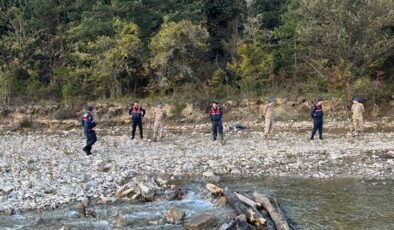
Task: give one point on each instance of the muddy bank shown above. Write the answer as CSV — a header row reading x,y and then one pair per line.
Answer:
x,y
41,170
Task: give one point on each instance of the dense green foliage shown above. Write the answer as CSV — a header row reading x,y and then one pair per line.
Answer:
x,y
89,50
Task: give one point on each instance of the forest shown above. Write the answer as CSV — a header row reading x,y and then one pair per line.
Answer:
x,y
197,50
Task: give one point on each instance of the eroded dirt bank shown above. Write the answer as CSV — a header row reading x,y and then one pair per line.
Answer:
x,y
248,112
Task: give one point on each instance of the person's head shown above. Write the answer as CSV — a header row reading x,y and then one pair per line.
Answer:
x,y
214,104
319,101
136,103
271,99
356,99
160,105
90,108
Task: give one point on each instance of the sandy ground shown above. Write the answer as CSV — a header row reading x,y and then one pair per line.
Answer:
x,y
41,170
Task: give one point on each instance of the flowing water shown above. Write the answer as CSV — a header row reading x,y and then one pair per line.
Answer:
x,y
327,204
308,203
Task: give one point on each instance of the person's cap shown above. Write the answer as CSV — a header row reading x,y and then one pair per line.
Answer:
x,y
319,99
90,107
271,99
356,99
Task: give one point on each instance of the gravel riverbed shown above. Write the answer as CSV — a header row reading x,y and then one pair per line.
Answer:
x,y
48,170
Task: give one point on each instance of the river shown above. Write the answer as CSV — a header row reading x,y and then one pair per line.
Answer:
x,y
308,204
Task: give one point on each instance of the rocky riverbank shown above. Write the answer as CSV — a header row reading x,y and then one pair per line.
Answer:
x,y
48,170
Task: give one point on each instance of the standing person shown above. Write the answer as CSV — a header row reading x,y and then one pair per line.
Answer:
x,y
269,116
317,116
358,115
136,113
88,124
216,115
158,126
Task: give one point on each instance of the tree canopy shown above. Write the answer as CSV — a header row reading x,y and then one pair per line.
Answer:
x,y
97,49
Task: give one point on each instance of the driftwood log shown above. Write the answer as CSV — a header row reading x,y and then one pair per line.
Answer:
x,y
251,203
235,201
253,215
271,205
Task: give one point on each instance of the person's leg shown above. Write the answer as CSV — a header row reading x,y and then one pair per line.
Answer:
x,y
220,129
161,130
87,136
271,128
90,141
355,125
321,129
314,128
155,130
266,126
361,124
214,130
141,130
134,127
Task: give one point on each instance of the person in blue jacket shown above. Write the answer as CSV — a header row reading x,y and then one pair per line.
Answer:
x,y
88,124
317,116
136,113
216,115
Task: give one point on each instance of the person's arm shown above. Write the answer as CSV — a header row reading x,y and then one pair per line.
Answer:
x,y
362,108
313,112
91,122
143,112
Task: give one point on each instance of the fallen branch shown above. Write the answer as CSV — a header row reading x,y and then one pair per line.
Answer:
x,y
241,204
230,225
251,203
271,205
253,215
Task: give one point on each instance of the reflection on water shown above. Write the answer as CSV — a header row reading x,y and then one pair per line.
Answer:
x,y
308,203
328,204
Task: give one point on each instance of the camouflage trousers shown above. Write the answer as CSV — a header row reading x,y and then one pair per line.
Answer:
x,y
158,130
357,124
269,125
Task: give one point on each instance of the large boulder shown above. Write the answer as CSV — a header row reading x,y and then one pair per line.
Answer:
x,y
201,222
174,216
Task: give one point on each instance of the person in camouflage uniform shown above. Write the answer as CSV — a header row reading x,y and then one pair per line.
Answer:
x,y
269,116
158,125
358,114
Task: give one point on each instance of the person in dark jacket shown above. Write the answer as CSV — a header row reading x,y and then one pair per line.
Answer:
x,y
136,113
216,115
317,116
88,124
